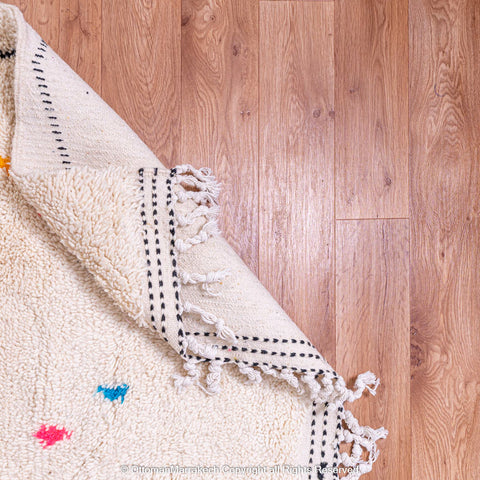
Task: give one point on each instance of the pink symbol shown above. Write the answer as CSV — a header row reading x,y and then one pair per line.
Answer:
x,y
48,436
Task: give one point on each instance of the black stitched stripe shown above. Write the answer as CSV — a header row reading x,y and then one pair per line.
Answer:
x,y
39,57
262,351
337,443
257,339
269,365
158,252
312,438
323,464
234,348
147,250
7,54
171,225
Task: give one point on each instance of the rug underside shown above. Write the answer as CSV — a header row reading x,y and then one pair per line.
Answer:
x,y
147,238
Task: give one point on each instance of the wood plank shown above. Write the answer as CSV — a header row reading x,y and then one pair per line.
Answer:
x,y
71,28
373,323
141,70
445,237
220,109
371,109
296,163
44,18
80,40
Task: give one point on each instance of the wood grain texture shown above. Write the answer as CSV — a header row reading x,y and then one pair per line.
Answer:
x,y
296,163
44,15
301,108
445,238
373,322
371,108
80,39
141,70
220,109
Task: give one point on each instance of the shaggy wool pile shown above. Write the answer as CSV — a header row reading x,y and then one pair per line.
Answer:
x,y
134,341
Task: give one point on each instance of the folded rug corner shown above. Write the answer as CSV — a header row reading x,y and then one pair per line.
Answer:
x,y
120,292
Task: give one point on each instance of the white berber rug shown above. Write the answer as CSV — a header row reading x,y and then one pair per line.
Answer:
x,y
134,342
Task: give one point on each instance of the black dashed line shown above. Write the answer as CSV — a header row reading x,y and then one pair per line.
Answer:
x,y
181,331
257,339
147,250
323,465
42,48
157,252
255,364
337,443
234,348
312,438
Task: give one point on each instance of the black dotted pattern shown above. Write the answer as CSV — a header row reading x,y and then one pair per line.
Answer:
x,y
323,464
147,250
261,351
269,365
7,54
312,438
257,339
39,56
273,353
176,285
158,251
337,442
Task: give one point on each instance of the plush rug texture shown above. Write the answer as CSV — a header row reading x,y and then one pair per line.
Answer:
x,y
134,342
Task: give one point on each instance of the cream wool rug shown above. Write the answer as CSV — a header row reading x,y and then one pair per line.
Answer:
x,y
134,343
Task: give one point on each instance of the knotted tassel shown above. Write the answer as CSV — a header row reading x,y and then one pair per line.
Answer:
x,y
214,377
361,438
252,374
223,332
182,382
204,280
364,381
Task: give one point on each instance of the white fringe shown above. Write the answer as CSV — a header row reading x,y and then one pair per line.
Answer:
x,y
204,281
204,350
327,389
193,374
330,390
214,377
210,213
252,374
361,438
209,229
223,332
205,195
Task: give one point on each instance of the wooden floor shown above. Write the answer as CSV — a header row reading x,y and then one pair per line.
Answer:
x,y
346,134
